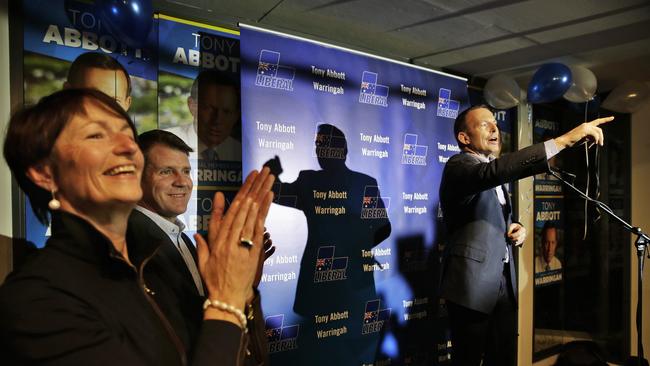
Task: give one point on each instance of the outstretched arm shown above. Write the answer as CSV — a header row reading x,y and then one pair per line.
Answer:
x,y
465,176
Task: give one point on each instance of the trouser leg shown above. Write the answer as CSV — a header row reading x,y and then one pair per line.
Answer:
x,y
501,343
468,335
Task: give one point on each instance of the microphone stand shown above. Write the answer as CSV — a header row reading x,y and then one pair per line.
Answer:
x,y
641,243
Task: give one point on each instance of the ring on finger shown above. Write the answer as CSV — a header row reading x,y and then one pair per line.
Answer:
x,y
246,242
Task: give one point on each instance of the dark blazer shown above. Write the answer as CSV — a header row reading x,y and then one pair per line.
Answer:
x,y
167,269
184,305
476,224
78,302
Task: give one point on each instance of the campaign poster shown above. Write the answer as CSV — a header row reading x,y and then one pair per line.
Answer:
x,y
549,244
548,239
358,144
546,184
199,96
72,31
549,226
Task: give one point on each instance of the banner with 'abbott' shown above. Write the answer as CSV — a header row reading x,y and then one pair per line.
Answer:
x,y
66,44
358,144
198,93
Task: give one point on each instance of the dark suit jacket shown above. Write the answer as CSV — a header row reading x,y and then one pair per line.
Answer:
x,y
168,267
77,302
175,292
476,224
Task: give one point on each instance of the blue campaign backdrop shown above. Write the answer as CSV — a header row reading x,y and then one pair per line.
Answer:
x,y
359,144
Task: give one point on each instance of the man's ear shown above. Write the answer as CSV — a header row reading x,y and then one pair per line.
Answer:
x,y
463,137
127,102
41,175
192,106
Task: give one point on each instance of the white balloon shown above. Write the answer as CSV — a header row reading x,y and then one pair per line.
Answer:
x,y
628,97
583,85
502,92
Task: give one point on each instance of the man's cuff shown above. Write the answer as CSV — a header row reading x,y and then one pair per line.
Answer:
x,y
551,149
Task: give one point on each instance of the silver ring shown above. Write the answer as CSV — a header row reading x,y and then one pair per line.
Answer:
x,y
246,242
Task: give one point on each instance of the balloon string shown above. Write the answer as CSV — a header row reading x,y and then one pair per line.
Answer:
x,y
597,173
584,236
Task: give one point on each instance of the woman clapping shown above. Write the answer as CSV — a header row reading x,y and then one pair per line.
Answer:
x,y
82,300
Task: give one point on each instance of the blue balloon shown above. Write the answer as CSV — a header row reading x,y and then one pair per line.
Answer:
x,y
127,20
549,83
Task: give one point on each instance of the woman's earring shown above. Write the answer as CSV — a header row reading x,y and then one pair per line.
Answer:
x,y
54,204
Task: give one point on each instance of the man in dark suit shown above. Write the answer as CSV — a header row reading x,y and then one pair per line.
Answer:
x,y
167,186
173,275
478,280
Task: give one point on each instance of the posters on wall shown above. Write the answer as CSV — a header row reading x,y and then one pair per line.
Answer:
x,y
163,71
549,247
72,30
358,144
548,212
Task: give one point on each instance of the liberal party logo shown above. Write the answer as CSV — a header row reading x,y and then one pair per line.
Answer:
x,y
280,337
412,153
373,205
328,267
271,74
330,146
283,199
371,92
447,107
374,317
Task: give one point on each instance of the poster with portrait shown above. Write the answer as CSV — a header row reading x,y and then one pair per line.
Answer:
x,y
198,89
548,212
549,241
72,31
358,144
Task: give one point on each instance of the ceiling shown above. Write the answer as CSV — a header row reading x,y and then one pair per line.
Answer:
x,y
473,38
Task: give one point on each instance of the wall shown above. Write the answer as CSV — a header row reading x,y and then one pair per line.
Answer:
x,y
640,156
5,175
526,253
